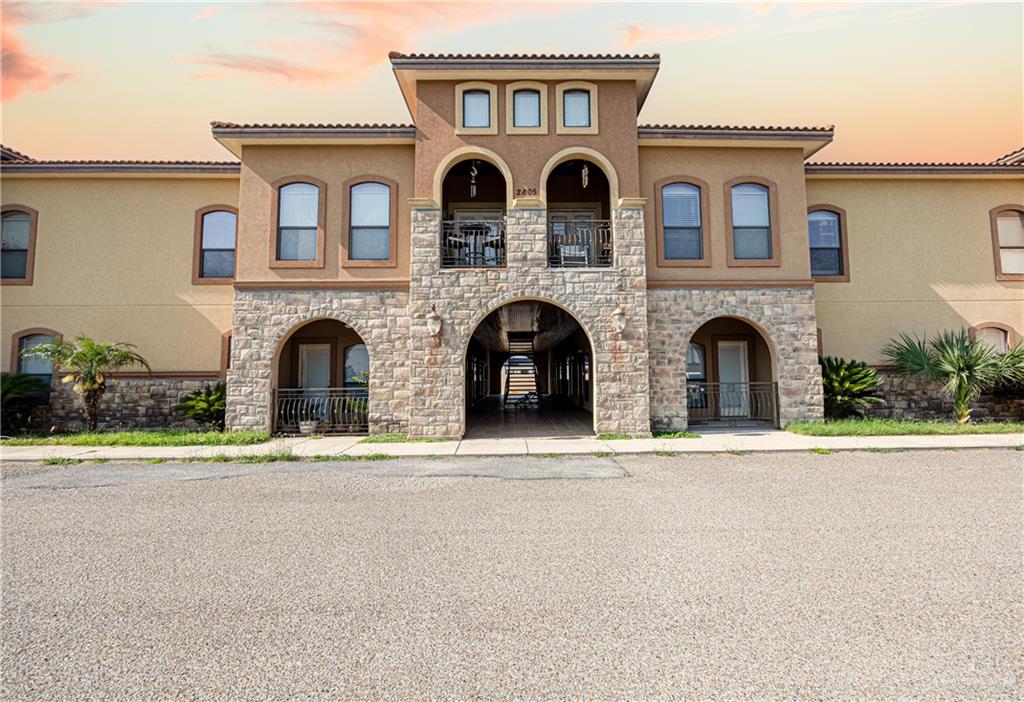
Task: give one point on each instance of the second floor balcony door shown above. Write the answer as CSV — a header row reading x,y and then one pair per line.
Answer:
x,y
480,233
572,235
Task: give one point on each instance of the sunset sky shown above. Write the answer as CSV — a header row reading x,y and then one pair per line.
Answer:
x,y
901,81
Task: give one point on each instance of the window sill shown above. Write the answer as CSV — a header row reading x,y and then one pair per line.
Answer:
x,y
213,281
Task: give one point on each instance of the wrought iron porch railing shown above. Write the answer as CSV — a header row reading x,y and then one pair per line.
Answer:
x,y
580,244
336,410
732,401
473,244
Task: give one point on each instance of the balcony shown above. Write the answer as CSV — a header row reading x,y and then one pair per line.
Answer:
x,y
732,402
580,243
473,244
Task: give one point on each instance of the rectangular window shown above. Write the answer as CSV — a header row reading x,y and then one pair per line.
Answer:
x,y
1010,232
751,223
476,109
526,108
576,108
681,221
298,218
370,222
823,231
217,257
17,228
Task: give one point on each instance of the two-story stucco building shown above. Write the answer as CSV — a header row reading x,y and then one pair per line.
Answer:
x,y
522,254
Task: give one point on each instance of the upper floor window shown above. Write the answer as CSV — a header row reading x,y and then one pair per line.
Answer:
x,y
1008,241
215,244
750,220
299,224
370,222
681,221
476,109
526,108
17,244
576,108
826,233
34,365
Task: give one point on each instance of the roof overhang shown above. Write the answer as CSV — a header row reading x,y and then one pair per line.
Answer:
x,y
234,137
115,169
895,171
409,70
809,140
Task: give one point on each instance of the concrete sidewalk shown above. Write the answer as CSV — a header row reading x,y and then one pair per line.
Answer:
x,y
709,442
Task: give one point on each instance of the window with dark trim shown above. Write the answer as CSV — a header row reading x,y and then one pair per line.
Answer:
x,y
825,235
526,108
17,244
476,109
298,222
217,235
751,222
681,221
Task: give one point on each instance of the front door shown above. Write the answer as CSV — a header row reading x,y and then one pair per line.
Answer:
x,y
315,365
733,379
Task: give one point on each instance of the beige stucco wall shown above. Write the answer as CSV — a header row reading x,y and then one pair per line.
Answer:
x,y
526,154
262,165
114,262
920,261
717,166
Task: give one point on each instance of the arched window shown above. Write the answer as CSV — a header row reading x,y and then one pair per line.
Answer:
x,y
681,221
357,366
526,108
1008,241
299,214
34,365
476,109
1000,337
215,244
695,365
826,233
17,246
369,222
750,212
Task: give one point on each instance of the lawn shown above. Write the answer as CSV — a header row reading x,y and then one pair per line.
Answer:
x,y
396,439
164,437
899,427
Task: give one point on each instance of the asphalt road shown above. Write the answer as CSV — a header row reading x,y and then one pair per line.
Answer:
x,y
868,575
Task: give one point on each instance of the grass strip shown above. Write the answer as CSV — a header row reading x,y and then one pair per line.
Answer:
x,y
163,437
899,427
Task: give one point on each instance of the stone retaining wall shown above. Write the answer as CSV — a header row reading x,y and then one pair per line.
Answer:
x,y
916,398
128,403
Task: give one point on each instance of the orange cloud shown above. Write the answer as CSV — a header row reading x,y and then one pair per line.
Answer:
x,y
262,66
680,34
209,12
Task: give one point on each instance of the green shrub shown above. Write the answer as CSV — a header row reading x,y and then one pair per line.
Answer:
x,y
19,394
206,406
850,387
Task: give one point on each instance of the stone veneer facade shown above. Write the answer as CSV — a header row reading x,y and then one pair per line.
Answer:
x,y
785,318
145,403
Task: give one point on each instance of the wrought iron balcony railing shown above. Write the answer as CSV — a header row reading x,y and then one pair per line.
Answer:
x,y
335,410
580,244
472,244
732,401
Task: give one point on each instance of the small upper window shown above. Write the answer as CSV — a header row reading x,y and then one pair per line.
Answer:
x,y
34,365
370,222
357,366
1008,237
476,109
751,222
681,221
298,218
998,339
576,108
17,234
526,108
695,368
826,240
217,254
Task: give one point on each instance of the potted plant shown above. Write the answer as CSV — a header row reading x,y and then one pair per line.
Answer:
x,y
309,419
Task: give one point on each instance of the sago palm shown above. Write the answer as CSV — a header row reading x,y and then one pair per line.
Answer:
x,y
964,365
86,363
850,387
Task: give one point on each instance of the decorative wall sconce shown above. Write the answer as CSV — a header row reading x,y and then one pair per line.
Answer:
x,y
434,322
472,180
585,176
619,320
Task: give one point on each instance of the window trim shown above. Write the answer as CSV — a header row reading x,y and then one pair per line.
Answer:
x,y
773,223
993,215
1011,335
844,247
225,353
560,90
490,88
510,111
30,257
32,331
705,224
197,246
346,229
275,204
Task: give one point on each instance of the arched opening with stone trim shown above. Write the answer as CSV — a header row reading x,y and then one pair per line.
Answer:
x,y
321,380
731,375
530,372
578,193
473,204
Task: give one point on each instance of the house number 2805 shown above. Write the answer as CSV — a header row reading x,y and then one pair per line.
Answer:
x,y
526,192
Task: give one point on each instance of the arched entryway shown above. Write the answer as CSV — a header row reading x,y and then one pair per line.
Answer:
x,y
473,202
579,215
322,380
730,375
529,373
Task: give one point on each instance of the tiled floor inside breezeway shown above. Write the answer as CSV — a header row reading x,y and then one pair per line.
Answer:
x,y
490,420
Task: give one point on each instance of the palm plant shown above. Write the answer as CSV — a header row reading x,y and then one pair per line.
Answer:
x,y
19,394
850,387
86,363
206,405
964,365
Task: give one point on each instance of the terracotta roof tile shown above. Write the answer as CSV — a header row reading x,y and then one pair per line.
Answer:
x,y
1014,157
911,164
310,125
10,154
733,128
523,57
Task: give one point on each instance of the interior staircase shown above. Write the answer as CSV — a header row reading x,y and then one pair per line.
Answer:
x,y
521,371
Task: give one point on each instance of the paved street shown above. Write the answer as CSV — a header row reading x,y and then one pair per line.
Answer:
x,y
868,575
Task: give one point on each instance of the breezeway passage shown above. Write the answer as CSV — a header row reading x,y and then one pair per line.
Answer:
x,y
797,575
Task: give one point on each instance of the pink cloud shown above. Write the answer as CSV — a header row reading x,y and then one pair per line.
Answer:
x,y
209,12
679,34
262,66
